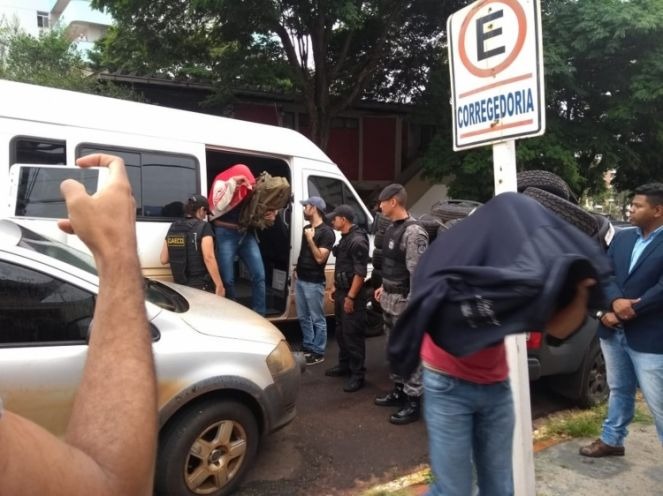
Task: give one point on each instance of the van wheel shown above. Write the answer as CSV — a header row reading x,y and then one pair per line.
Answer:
x,y
207,449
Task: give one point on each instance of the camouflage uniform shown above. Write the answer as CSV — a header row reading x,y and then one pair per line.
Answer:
x,y
413,242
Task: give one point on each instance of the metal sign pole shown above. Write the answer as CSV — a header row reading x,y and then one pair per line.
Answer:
x,y
504,169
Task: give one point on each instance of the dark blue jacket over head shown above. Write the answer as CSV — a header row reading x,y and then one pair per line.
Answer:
x,y
503,270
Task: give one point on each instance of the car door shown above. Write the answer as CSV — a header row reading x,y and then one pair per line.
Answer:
x,y
44,320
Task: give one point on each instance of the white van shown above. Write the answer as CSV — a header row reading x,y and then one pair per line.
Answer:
x,y
171,154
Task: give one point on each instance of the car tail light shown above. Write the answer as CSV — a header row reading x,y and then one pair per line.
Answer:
x,y
534,340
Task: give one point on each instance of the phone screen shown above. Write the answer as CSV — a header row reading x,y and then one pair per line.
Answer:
x,y
38,189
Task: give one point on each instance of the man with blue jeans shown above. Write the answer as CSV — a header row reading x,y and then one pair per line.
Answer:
x,y
317,241
232,242
229,190
631,331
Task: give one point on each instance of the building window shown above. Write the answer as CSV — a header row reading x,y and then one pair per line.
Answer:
x,y
42,20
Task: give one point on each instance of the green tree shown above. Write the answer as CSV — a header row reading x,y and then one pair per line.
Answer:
x,y
603,63
50,59
332,53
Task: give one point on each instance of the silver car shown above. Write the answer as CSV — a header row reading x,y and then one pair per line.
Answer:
x,y
226,376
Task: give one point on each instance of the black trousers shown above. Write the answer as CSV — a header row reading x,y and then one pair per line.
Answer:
x,y
350,333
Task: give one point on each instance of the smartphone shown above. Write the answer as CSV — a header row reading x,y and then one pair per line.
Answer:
x,y
34,189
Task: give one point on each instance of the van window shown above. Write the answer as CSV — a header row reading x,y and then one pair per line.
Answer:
x,y
161,182
29,150
335,192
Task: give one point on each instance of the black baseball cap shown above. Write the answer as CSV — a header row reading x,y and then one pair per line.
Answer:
x,y
198,201
343,211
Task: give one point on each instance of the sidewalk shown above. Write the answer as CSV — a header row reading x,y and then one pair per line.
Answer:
x,y
561,471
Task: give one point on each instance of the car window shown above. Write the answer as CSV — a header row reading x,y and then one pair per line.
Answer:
x,y
54,249
38,309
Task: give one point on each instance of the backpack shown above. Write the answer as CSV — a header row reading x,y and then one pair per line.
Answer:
x,y
269,193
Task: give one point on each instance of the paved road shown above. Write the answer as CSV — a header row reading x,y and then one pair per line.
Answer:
x,y
340,442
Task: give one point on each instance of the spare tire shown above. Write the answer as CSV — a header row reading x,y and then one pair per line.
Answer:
x,y
547,181
431,224
454,209
571,213
450,223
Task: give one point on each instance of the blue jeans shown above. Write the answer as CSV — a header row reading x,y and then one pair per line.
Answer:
x,y
468,425
229,244
626,368
309,298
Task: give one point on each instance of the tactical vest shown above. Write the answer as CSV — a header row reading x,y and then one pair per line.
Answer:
x,y
184,250
395,276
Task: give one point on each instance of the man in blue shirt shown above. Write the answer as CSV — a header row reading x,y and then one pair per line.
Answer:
x,y
631,330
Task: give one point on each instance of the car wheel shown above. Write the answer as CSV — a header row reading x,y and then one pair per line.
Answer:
x,y
593,382
207,449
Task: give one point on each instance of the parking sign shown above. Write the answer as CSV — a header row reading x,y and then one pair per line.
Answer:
x,y
496,65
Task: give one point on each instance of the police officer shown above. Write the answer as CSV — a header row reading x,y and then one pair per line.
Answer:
x,y
349,298
404,243
189,247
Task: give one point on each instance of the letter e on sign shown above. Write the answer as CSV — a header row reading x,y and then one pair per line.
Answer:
x,y
496,56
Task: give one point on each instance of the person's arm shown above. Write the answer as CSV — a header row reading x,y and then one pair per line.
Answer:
x,y
207,246
568,319
320,255
165,257
652,299
416,242
110,442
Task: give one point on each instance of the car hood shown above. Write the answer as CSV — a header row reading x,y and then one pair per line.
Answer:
x,y
216,316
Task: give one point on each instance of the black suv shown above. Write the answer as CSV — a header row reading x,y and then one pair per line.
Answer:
x,y
575,368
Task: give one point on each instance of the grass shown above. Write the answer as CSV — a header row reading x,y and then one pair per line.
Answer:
x,y
584,423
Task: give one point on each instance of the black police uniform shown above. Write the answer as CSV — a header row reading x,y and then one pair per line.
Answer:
x,y
351,259
185,254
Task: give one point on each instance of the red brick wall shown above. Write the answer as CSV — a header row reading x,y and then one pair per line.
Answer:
x,y
263,114
379,148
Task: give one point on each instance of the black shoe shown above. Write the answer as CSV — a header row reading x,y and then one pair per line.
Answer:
x,y
410,412
395,397
314,358
337,371
353,384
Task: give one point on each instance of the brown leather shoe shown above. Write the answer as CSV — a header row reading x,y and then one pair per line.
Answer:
x,y
598,449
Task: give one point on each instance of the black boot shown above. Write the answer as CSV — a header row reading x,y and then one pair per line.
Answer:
x,y
395,397
410,412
